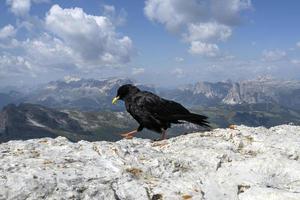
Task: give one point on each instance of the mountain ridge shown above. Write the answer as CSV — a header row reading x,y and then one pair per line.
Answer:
x,y
91,94
27,121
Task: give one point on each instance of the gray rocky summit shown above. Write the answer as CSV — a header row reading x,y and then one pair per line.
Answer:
x,y
242,163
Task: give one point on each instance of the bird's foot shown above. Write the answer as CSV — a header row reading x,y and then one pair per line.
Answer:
x,y
124,134
163,135
159,139
129,135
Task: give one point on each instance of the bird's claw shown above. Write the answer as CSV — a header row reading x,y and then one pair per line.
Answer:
x,y
126,136
159,139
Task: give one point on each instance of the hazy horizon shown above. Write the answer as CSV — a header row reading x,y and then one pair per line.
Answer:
x,y
68,79
162,42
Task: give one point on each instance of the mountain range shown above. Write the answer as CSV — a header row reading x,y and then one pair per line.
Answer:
x,y
95,95
81,108
261,90
27,121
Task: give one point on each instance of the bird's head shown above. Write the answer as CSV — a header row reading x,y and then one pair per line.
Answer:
x,y
124,92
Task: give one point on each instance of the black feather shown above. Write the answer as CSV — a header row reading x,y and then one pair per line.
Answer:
x,y
156,113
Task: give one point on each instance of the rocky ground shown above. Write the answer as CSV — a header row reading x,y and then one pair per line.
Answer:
x,y
242,163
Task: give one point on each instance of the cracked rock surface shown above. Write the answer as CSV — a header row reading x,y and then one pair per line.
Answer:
x,y
242,163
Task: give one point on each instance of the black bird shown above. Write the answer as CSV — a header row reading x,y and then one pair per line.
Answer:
x,y
153,112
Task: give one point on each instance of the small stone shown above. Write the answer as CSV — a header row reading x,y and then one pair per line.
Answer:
x,y
157,197
187,197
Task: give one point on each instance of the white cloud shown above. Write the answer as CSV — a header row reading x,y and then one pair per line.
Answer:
x,y
210,31
137,71
93,38
11,65
118,18
228,11
37,55
109,9
273,55
173,13
179,59
19,7
66,41
205,49
199,22
47,51
7,31
22,7
298,44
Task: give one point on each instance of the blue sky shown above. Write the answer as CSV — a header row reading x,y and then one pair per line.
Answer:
x,y
163,42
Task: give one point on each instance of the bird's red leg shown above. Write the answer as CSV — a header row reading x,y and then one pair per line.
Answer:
x,y
129,135
164,135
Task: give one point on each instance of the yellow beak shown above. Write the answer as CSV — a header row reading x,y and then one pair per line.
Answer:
x,y
114,101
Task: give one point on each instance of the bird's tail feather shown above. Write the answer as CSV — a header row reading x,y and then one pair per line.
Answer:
x,y
193,118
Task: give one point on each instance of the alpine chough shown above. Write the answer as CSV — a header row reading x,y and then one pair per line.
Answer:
x,y
153,112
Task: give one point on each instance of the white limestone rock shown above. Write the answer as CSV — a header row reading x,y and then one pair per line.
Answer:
x,y
243,163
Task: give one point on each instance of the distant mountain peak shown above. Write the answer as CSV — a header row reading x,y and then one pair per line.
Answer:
x,y
69,79
264,78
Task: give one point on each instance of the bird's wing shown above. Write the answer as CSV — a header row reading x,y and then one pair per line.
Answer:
x,y
139,110
161,108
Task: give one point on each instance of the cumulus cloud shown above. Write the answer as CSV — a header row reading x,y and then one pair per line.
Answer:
x,y
174,13
210,31
201,23
47,51
37,55
228,11
93,38
19,7
205,49
22,7
11,65
273,55
67,41
118,18
7,31
109,9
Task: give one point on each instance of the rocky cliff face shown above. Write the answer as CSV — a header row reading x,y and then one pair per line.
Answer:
x,y
243,163
263,90
82,94
285,93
